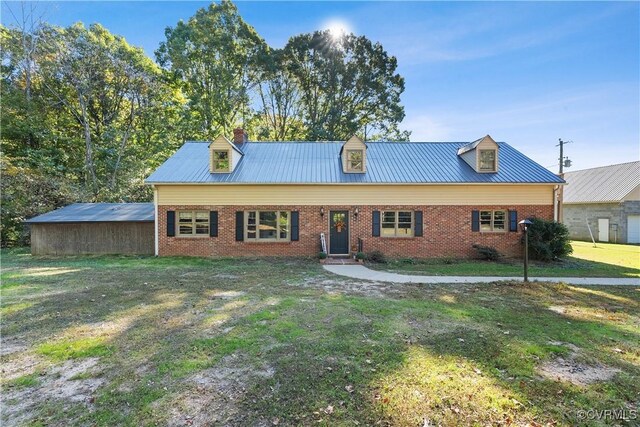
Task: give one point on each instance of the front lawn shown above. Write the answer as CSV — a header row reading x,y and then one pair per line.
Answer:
x,y
175,341
605,260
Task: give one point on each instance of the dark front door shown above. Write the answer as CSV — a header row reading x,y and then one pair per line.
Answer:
x,y
339,233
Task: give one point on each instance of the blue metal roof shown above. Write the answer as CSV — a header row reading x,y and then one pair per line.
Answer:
x,y
98,212
319,163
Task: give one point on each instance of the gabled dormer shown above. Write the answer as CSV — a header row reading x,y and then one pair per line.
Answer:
x,y
353,155
481,155
223,155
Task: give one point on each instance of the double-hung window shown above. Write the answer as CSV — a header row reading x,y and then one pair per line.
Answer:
x,y
397,224
221,160
267,225
493,220
193,223
487,160
355,160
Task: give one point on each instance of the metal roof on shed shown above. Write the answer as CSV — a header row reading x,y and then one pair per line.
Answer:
x,y
604,184
319,163
98,212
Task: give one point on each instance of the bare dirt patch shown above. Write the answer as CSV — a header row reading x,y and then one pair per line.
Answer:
x,y
351,287
10,346
568,369
19,364
214,395
58,383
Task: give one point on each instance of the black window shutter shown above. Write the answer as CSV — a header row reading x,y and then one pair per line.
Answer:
x,y
213,223
239,226
295,226
171,223
475,221
375,231
417,227
513,220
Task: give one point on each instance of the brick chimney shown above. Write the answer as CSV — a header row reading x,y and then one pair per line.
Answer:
x,y
240,137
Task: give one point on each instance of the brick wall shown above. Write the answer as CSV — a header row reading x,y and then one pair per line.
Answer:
x,y
447,232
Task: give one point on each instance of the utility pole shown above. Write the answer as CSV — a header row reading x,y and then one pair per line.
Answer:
x,y
562,163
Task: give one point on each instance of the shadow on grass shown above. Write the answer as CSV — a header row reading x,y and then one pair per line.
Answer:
x,y
438,352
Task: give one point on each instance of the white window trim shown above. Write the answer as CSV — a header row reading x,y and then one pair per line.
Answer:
x,y
397,223
193,224
257,239
493,215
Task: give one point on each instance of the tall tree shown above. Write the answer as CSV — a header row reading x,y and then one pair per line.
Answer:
x,y
105,85
279,96
214,57
348,85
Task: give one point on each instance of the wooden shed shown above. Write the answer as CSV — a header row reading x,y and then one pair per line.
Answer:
x,y
94,228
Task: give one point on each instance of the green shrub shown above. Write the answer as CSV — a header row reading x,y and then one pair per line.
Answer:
x,y
361,256
377,257
322,255
487,253
548,240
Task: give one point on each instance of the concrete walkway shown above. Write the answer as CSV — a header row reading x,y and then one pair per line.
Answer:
x,y
364,273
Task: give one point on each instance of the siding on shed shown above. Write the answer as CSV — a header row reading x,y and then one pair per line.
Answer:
x,y
576,215
318,195
135,238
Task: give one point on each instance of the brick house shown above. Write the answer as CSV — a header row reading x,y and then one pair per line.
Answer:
x,y
242,198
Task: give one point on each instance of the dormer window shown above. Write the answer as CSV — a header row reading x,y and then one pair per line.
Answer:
x,y
221,160
224,155
355,160
487,160
353,156
481,155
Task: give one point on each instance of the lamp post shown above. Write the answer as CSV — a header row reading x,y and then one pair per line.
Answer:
x,y
524,226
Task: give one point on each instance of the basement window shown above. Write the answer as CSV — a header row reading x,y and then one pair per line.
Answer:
x,y
355,160
493,220
221,160
487,160
193,223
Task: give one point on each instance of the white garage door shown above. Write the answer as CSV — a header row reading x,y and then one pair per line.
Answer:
x,y
633,229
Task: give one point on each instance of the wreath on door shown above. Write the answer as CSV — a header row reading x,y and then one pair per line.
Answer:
x,y
339,224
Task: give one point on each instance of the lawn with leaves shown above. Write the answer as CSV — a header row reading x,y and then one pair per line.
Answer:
x,y
603,260
174,341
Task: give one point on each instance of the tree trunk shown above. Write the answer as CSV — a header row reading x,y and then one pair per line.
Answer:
x,y
88,146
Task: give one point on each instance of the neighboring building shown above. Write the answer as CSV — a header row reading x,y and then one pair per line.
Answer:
x,y
413,199
605,199
94,228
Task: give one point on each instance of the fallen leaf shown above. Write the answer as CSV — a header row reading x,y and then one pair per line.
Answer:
x,y
349,388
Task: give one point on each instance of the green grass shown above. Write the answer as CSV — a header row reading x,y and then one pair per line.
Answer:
x,y
267,341
29,380
74,349
604,260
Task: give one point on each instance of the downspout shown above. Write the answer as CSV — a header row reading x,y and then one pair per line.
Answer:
x,y
555,203
155,219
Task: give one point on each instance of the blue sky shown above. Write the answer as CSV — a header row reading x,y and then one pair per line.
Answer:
x,y
526,73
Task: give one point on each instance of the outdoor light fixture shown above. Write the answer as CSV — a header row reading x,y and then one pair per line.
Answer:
x,y
524,226
321,211
355,212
